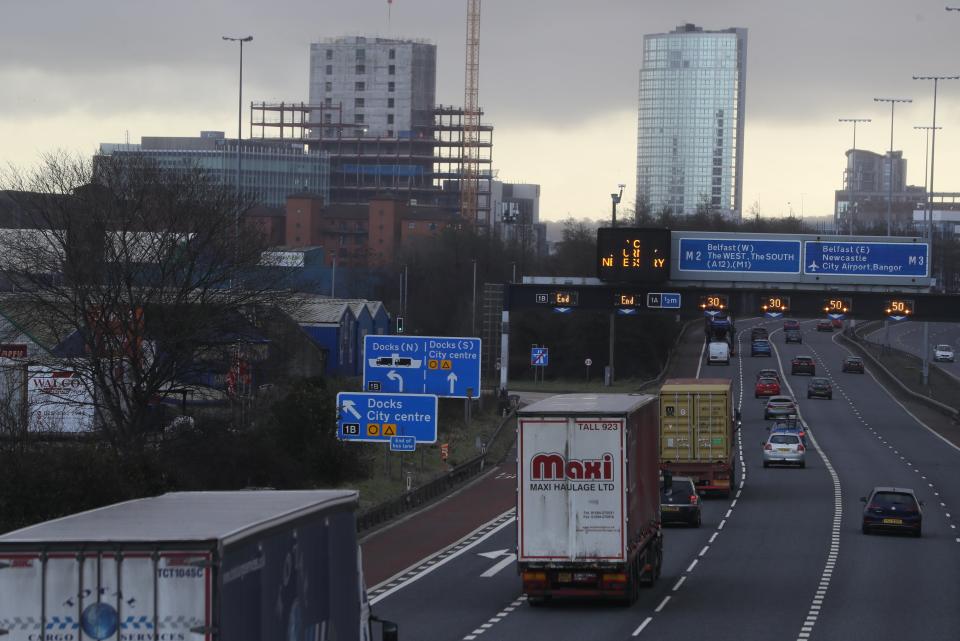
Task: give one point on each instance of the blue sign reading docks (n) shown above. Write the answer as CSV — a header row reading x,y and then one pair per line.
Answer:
x,y
445,366
382,417
739,256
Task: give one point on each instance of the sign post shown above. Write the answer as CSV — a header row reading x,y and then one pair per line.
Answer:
x,y
445,366
383,417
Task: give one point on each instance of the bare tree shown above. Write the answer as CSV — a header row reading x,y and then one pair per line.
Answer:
x,y
140,269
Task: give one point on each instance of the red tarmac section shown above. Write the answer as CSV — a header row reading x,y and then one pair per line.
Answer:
x,y
397,547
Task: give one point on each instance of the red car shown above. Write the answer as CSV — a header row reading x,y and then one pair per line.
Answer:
x,y
791,324
767,387
837,323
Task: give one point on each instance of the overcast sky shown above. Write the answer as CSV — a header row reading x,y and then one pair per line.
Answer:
x,y
558,80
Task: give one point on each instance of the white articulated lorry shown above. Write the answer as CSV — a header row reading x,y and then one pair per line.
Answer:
x,y
191,566
588,496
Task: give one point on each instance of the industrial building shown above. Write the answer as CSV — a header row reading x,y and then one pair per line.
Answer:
x,y
270,171
691,121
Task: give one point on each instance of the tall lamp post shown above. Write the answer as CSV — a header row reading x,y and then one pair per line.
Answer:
x,y
239,104
893,102
928,215
851,200
926,171
615,200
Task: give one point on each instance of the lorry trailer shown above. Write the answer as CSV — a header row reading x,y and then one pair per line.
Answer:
x,y
184,566
697,427
588,497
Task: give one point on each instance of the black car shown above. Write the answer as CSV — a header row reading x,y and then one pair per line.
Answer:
x,y
792,336
679,502
758,332
853,364
803,365
892,509
819,387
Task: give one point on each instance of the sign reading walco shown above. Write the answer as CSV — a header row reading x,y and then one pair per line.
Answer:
x,y
13,350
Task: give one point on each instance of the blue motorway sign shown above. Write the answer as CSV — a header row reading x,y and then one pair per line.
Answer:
x,y
448,367
739,256
663,300
839,258
539,356
403,444
382,417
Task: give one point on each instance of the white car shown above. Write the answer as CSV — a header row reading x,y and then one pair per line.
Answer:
x,y
943,353
718,352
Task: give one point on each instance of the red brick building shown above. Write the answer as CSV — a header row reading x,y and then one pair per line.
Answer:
x,y
359,235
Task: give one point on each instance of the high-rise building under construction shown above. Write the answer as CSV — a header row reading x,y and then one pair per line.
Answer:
x,y
691,121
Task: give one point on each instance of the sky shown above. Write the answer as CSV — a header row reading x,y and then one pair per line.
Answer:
x,y
558,80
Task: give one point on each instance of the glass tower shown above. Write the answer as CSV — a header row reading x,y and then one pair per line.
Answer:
x,y
690,123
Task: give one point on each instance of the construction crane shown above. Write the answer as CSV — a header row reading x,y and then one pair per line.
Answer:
x,y
471,116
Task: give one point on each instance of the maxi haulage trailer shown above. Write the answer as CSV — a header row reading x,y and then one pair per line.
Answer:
x,y
190,566
697,427
588,496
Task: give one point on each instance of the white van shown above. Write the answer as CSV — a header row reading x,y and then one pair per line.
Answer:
x,y
718,352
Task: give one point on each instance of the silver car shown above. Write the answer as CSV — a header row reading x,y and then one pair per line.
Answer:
x,y
778,407
782,448
943,353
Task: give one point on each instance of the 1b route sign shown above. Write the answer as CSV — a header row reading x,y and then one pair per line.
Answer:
x,y
381,417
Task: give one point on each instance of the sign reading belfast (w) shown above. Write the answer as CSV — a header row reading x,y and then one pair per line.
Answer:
x,y
633,254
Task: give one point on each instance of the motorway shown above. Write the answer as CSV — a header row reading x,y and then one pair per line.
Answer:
x,y
783,558
908,336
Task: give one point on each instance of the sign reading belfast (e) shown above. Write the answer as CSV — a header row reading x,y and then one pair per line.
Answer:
x,y
633,254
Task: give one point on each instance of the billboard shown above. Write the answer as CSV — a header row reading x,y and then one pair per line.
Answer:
x,y
58,400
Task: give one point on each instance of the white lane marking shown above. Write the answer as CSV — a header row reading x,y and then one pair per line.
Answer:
x,y
704,550
679,583
700,362
662,603
692,565
449,557
722,523
645,623
713,537
510,558
727,515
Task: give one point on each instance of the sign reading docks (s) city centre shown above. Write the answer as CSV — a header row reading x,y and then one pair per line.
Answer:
x,y
382,417
441,365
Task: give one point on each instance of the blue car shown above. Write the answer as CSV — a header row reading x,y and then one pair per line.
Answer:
x,y
760,347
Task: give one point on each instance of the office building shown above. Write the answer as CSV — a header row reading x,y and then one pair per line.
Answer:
x,y
383,87
270,170
861,206
691,121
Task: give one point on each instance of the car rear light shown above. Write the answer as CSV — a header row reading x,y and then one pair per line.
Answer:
x,y
768,447
801,448
616,577
535,577
693,499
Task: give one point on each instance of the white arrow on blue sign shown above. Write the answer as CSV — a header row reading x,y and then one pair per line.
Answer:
x,y
539,356
840,258
445,366
381,417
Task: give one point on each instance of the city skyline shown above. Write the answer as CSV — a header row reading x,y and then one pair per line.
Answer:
x,y
563,101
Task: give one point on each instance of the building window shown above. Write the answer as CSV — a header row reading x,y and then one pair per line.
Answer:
x,y
392,70
393,54
328,118
389,133
359,86
358,102
329,69
328,102
358,119
361,69
389,103
361,55
389,119
329,54
328,86
391,86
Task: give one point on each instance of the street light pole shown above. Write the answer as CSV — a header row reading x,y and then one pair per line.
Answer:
x,y
851,200
926,174
615,200
928,215
893,102
239,105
